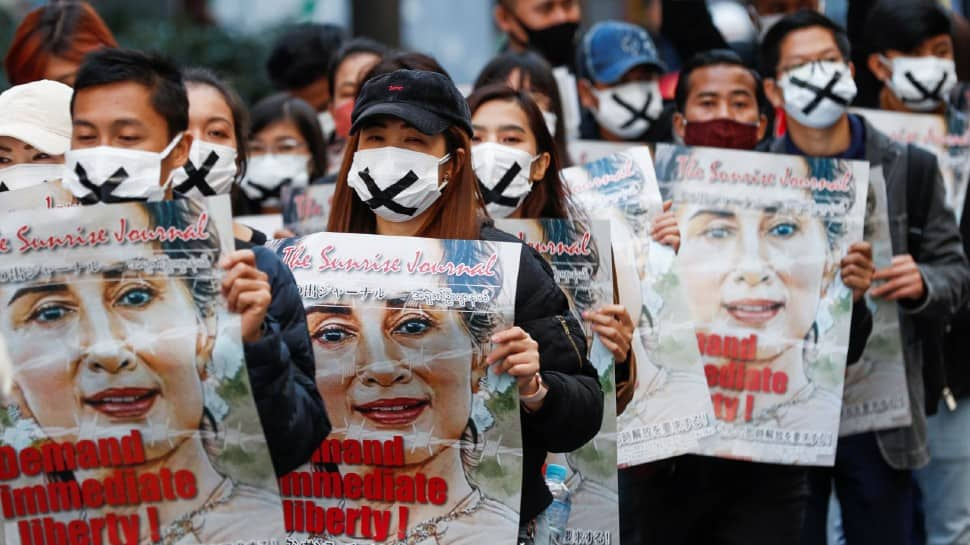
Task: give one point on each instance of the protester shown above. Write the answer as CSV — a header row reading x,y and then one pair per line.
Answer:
x,y
286,149
299,63
146,133
804,57
347,68
52,40
720,103
35,131
529,72
546,26
417,125
618,84
911,56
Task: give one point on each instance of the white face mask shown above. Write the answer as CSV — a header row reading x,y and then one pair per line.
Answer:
x,y
28,175
921,83
210,170
108,174
818,93
503,173
551,120
267,174
629,109
397,184
327,124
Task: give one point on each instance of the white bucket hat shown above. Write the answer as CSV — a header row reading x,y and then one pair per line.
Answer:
x,y
38,113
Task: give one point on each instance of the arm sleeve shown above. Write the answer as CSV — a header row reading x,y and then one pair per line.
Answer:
x,y
941,261
572,411
281,372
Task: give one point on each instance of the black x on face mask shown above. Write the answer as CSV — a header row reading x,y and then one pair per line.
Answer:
x,y
817,94
628,110
210,170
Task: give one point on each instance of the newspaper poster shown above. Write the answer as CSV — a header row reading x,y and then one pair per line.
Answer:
x,y
670,409
875,395
47,195
762,239
587,151
580,255
426,444
307,209
947,137
131,418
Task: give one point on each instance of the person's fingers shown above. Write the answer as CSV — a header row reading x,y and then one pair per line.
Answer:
x,y
905,292
897,283
509,334
599,317
240,287
231,259
253,300
668,205
861,247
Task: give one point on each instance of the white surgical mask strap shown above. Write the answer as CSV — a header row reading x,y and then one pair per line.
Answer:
x,y
168,149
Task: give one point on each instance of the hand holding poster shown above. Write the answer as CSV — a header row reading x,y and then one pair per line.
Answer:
x,y
426,440
670,408
762,240
580,256
132,419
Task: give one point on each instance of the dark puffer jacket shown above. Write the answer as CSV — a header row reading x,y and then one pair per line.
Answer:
x,y
572,411
281,370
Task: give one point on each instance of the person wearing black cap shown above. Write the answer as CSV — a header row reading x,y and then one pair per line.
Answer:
x,y
407,171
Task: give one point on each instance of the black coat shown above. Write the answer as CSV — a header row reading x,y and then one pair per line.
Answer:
x,y
572,411
281,371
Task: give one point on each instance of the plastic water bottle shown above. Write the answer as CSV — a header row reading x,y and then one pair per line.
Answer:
x,y
557,514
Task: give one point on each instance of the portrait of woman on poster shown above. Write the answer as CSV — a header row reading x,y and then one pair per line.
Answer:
x,y
134,352
769,270
402,368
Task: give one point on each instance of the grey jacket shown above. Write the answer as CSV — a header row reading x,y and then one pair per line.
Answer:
x,y
946,276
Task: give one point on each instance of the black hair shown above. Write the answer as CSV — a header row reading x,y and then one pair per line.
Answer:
x,y
903,25
715,57
771,45
404,60
283,106
302,54
240,115
353,47
161,77
535,70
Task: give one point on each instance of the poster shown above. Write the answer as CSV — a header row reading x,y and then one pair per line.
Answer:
x,y
426,441
47,195
762,239
670,410
580,255
946,137
307,209
875,395
587,151
132,418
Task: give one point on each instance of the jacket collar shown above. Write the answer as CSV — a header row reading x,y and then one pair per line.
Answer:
x,y
880,149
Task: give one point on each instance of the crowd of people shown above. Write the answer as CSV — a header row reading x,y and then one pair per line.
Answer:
x,y
411,152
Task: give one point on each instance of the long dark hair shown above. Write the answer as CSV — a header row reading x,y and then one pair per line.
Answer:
x,y
548,198
534,75
285,107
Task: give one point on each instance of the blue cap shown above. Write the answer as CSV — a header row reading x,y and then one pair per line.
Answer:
x,y
612,48
555,472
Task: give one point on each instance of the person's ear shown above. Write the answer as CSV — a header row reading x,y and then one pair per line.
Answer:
x,y
505,21
586,95
680,125
851,69
762,126
540,166
180,153
453,167
774,94
878,68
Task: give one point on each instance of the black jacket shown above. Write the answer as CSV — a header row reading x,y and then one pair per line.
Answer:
x,y
957,341
281,371
572,411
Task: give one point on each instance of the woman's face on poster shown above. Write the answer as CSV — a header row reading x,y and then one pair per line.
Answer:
x,y
754,270
105,353
387,368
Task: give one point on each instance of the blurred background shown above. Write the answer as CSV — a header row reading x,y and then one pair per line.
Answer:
x,y
234,36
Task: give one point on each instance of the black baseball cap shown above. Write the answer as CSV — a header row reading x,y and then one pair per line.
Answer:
x,y
428,101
